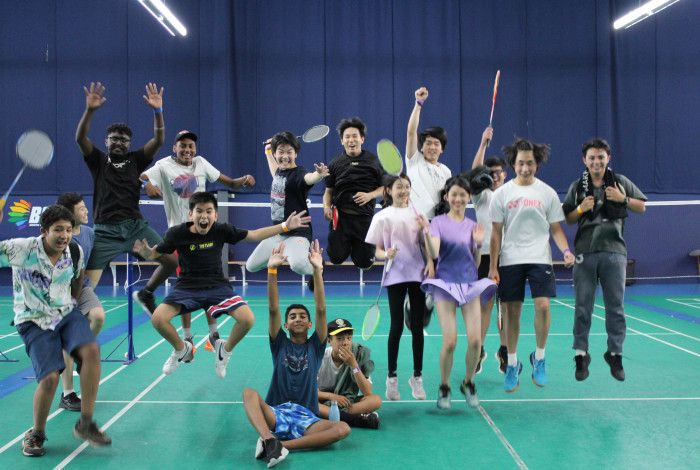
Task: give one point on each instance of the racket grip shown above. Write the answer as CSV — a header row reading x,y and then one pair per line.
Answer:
x,y
389,263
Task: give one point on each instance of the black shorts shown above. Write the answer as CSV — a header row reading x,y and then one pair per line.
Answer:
x,y
484,266
513,277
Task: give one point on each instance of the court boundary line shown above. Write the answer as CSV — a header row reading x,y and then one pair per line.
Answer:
x,y
683,303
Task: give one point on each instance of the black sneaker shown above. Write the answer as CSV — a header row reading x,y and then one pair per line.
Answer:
x,y
615,363
92,434
33,443
502,356
259,449
369,420
147,301
274,452
70,402
582,366
482,358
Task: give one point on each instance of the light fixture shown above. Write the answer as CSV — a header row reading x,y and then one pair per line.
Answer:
x,y
641,13
164,16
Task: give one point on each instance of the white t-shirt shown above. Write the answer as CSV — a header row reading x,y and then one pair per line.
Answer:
x,y
482,202
427,180
328,372
526,213
178,182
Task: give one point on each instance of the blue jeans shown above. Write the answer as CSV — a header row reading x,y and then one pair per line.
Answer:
x,y
610,269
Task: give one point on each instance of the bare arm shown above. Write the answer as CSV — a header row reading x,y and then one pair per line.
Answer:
x,y
276,260
562,243
154,99
496,239
145,251
76,285
319,291
94,98
432,244
327,202
321,171
421,95
271,162
486,137
236,183
294,221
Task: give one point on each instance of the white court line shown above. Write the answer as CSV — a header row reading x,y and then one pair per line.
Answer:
x,y
8,335
496,430
655,325
684,304
115,372
129,405
644,334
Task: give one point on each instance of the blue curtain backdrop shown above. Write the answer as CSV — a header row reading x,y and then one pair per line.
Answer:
x,y
248,69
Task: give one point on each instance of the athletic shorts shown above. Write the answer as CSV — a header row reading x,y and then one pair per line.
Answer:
x,y
292,420
484,266
216,301
539,276
45,347
88,300
114,239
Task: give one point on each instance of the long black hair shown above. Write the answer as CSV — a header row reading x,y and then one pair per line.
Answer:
x,y
443,207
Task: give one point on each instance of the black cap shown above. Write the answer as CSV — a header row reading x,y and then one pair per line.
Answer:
x,y
338,326
185,134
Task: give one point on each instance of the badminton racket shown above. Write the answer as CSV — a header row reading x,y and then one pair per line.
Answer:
x,y
371,320
312,134
493,100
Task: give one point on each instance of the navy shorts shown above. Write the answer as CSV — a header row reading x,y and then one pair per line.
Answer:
x,y
539,276
45,347
216,301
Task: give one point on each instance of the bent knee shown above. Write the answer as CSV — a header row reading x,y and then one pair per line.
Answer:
x,y
245,317
342,430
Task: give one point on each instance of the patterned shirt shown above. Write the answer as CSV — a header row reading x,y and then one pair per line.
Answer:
x,y
42,290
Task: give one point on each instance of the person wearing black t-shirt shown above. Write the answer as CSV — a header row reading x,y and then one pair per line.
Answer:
x,y
201,284
354,181
117,188
290,188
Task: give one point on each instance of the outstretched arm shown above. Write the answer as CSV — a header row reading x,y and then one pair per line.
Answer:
x,y
154,99
271,162
319,291
276,260
94,98
486,137
242,182
421,95
314,177
146,251
294,221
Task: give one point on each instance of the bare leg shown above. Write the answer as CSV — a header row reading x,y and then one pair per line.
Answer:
x,y
244,322
471,313
448,325
259,413
543,320
366,404
96,316
161,322
94,276
320,434
67,374
43,396
89,377
512,326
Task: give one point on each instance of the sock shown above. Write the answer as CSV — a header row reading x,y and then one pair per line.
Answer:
x,y
539,354
187,332
512,359
67,392
615,354
580,352
212,328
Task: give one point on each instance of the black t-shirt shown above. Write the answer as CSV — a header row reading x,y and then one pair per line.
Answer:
x,y
288,194
199,256
349,175
117,188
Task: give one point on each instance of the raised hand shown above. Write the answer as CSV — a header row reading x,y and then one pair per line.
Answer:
x,y
315,252
421,94
153,97
478,234
487,135
295,220
277,257
322,169
94,95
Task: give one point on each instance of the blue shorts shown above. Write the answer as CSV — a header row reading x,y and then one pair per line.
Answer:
x,y
513,277
44,347
292,420
216,301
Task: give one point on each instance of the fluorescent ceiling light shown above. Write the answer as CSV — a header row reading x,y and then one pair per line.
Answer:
x,y
643,12
164,16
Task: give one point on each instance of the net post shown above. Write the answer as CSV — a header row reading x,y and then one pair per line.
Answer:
x,y
131,356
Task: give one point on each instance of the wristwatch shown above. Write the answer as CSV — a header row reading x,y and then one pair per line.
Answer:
x,y
355,370
627,201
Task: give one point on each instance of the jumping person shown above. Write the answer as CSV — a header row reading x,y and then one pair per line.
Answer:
x,y
599,201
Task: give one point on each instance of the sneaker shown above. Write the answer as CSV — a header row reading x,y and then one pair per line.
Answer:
x,y
443,401
173,362
259,449
512,380
33,443
615,363
92,434
469,391
146,300
70,402
392,389
539,372
221,358
582,366
482,358
190,339
211,340
369,420
502,356
417,390
274,451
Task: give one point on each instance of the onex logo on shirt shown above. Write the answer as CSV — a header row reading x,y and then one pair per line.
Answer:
x,y
524,202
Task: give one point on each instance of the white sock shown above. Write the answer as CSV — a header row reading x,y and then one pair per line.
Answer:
x,y
539,354
212,328
580,352
187,332
512,359
615,354
67,392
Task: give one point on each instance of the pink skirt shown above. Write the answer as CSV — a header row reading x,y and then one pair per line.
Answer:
x,y
460,292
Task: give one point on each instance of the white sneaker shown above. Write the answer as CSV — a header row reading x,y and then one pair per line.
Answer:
x,y
417,390
392,389
176,357
221,358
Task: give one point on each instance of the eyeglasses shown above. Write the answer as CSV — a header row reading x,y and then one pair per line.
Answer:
x,y
496,172
123,140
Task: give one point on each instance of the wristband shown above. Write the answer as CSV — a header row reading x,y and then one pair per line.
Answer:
x,y
285,229
157,110
268,152
579,211
272,271
159,128
420,102
355,370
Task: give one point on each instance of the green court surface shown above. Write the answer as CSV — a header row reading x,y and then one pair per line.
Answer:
x,y
192,419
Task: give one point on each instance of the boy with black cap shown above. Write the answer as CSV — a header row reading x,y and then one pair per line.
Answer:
x,y
344,378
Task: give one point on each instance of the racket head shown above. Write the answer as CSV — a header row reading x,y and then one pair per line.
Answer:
x,y
389,157
35,149
371,321
316,133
